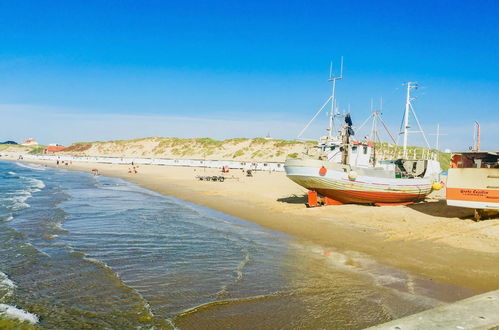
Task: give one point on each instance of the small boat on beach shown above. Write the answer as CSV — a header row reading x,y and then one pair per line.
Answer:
x,y
473,182
347,171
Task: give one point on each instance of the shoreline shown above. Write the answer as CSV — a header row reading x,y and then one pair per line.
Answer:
x,y
427,239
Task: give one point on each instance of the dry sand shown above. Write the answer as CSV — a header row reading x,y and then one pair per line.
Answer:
x,y
430,239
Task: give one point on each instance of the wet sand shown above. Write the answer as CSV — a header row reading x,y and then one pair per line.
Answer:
x,y
430,239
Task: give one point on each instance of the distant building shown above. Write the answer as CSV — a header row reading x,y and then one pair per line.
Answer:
x,y
30,142
53,148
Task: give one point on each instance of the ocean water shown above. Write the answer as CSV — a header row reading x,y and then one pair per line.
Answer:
x,y
84,251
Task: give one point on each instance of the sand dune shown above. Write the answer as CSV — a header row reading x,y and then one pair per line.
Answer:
x,y
240,149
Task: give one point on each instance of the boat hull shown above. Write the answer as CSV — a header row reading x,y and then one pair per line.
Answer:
x,y
337,184
476,188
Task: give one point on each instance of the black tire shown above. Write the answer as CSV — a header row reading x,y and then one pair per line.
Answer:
x,y
221,179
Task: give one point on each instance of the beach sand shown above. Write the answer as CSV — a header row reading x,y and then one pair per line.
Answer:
x,y
429,239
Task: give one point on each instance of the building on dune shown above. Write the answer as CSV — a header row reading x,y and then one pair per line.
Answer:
x,y
53,148
30,142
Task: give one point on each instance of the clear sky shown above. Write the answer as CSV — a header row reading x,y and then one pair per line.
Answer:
x,y
97,70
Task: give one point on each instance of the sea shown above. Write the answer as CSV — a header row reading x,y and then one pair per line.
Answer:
x,y
84,251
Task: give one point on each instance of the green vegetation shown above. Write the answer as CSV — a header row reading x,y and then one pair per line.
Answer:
x,y
78,147
236,140
258,154
38,150
176,151
293,155
238,153
444,159
209,142
13,146
391,151
257,141
199,147
285,143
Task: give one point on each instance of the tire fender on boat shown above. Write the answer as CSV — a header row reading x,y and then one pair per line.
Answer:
x,y
322,171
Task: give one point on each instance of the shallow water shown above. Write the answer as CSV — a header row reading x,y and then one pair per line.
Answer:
x,y
83,251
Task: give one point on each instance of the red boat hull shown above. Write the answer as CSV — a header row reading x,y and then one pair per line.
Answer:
x,y
368,197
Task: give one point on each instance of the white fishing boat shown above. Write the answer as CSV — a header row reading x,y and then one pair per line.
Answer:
x,y
473,180
345,171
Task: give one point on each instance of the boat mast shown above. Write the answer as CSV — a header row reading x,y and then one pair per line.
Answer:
x,y
408,108
476,137
438,135
406,115
332,114
331,99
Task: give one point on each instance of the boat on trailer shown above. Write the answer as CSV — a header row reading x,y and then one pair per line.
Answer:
x,y
401,181
345,170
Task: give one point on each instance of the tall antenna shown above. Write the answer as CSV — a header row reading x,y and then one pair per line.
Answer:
x,y
476,137
409,109
332,114
438,135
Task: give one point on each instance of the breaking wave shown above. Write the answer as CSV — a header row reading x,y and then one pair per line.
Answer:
x,y
13,312
6,286
31,166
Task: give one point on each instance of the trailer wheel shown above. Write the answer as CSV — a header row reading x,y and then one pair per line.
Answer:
x,y
221,178
214,178
477,215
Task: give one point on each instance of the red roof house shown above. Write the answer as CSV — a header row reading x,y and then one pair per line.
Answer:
x,y
52,149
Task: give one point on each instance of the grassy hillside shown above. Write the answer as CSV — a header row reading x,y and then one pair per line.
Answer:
x,y
243,149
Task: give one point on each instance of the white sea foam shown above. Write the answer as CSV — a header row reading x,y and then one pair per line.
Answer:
x,y
6,282
36,183
239,269
17,313
100,263
31,166
18,201
12,173
19,204
6,286
7,218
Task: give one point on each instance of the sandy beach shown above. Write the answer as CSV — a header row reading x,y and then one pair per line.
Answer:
x,y
429,239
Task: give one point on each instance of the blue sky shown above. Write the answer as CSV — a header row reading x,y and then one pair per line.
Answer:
x,y
97,70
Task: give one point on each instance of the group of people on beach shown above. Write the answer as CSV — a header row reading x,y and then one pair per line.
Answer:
x,y
62,162
133,169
